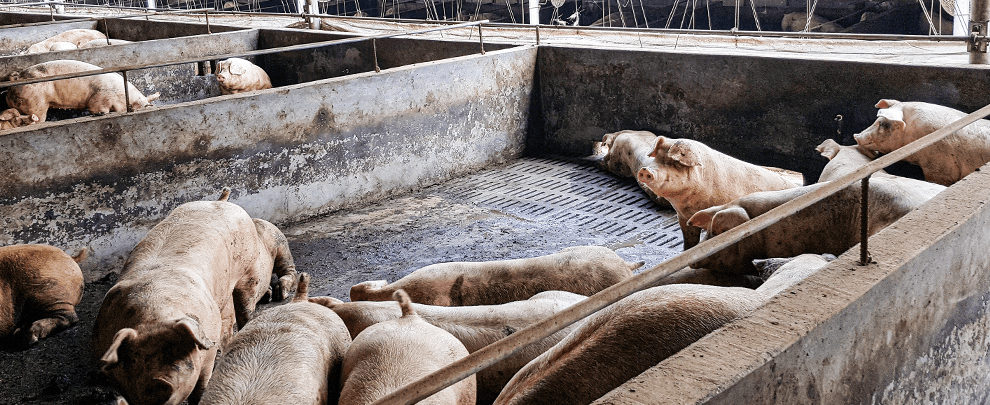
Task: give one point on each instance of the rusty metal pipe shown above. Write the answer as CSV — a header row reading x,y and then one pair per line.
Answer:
x,y
474,362
864,222
127,93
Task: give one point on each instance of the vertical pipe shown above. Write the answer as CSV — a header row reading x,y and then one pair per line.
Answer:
x,y
207,14
534,12
374,48
864,223
960,22
152,5
106,31
300,6
537,34
127,95
979,17
312,8
481,40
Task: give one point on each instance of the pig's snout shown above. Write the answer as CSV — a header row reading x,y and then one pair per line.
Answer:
x,y
645,175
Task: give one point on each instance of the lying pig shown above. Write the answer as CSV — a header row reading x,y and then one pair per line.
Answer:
x,y
626,153
237,75
99,94
693,177
944,162
11,118
40,286
391,354
475,326
96,43
636,333
180,292
62,46
828,226
290,354
75,37
796,22
581,270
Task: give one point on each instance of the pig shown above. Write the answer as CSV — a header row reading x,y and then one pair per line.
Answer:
x,y
581,270
693,177
828,226
237,75
638,332
183,287
11,118
99,94
795,22
40,286
289,354
75,37
391,354
628,151
944,162
62,46
96,43
475,326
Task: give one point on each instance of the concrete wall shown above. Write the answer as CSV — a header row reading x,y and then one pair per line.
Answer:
x,y
769,111
288,153
912,328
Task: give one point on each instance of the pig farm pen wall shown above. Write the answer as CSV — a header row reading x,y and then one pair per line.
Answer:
x,y
334,138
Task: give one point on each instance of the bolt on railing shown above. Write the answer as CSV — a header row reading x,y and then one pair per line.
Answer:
x,y
475,362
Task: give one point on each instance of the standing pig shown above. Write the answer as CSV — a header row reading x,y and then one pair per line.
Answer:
x,y
183,287
626,153
40,286
581,270
693,177
391,354
290,354
828,226
636,333
475,326
944,162
11,118
237,75
99,94
75,37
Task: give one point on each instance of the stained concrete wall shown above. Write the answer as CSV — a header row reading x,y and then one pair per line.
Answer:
x,y
765,110
288,153
912,328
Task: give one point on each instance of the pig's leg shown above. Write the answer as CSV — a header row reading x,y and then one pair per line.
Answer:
x,y
204,378
245,299
6,319
284,269
691,234
54,321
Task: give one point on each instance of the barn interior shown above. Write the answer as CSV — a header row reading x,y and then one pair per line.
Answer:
x,y
378,155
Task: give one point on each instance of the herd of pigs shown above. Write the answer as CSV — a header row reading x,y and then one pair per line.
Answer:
x,y
102,93
180,322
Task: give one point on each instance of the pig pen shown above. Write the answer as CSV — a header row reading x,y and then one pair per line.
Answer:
x,y
450,154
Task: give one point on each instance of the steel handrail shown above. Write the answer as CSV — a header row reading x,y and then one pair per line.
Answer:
x,y
289,48
474,362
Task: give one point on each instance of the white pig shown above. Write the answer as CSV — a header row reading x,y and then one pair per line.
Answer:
x,y
62,46
237,75
99,94
102,42
394,353
627,152
693,177
944,162
580,269
75,37
796,21
475,326
634,334
11,118
290,354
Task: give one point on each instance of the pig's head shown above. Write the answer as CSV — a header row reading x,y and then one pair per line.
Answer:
x,y
141,102
11,118
159,364
718,219
620,153
230,71
673,159
887,132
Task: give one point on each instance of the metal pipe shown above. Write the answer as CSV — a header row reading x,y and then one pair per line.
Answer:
x,y
267,51
374,49
207,14
534,12
127,93
978,19
474,362
481,39
106,31
864,222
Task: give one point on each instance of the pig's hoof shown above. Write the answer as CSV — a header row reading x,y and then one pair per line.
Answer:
x,y
267,297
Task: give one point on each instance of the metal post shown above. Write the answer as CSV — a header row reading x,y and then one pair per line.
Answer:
x,y
481,40
152,4
978,20
312,8
106,31
207,14
537,34
534,12
374,48
127,95
864,223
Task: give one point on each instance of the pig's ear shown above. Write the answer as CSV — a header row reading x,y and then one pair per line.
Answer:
x,y
191,327
8,114
660,146
154,97
829,148
237,69
886,103
681,152
703,219
111,358
727,219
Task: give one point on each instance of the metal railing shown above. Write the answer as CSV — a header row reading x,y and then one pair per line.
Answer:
x,y
123,70
475,362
